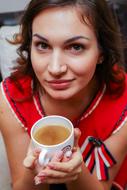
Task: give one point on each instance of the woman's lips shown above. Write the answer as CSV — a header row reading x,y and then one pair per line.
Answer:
x,y
60,84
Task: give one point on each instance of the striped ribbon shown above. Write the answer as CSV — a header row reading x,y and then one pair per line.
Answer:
x,y
96,155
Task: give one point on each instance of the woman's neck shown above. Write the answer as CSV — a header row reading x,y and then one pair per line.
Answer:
x,y
71,108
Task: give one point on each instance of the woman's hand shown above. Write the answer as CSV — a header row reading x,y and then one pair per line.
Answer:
x,y
31,162
31,159
62,169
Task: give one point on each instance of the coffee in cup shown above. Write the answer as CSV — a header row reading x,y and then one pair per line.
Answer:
x,y
52,134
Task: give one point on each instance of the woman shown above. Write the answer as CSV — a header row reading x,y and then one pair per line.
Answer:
x,y
70,64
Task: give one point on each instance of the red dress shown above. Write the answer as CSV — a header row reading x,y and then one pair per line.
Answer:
x,y
104,116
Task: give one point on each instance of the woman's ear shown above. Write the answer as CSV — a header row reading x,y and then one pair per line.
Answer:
x,y
101,58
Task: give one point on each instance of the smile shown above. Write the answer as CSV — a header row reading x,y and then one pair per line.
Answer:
x,y
59,84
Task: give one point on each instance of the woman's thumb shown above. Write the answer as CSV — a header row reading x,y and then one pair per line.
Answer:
x,y
77,134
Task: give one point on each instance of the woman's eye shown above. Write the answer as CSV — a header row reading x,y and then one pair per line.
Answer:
x,y
42,46
76,48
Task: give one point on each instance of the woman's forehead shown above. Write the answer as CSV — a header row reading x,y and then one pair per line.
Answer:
x,y
64,21
68,14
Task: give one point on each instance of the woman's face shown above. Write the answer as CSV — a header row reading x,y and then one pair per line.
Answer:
x,y
64,52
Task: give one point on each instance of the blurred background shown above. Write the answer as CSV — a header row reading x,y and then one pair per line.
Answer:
x,y
10,14
10,11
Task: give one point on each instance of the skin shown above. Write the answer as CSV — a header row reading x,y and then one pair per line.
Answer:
x,y
65,70
64,61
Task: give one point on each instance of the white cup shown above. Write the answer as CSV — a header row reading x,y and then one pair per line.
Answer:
x,y
49,150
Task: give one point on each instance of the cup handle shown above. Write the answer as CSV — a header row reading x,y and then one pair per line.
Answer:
x,y
43,158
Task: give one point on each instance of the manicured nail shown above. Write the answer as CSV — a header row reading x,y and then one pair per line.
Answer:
x,y
37,181
51,165
41,174
29,161
59,154
68,154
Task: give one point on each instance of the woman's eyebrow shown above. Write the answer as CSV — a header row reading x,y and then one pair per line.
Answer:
x,y
76,38
40,37
66,41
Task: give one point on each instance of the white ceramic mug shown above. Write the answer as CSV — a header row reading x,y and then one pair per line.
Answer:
x,y
49,150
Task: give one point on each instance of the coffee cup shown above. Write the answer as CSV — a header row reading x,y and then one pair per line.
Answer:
x,y
52,134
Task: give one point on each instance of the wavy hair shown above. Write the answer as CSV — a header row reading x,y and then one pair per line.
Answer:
x,y
108,35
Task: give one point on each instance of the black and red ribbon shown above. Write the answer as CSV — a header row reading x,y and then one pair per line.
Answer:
x,y
96,155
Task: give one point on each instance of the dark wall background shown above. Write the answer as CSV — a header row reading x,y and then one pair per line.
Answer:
x,y
119,8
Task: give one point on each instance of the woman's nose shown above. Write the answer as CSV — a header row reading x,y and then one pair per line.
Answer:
x,y
56,65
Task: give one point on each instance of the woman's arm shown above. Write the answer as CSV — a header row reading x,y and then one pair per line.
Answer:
x,y
117,145
16,140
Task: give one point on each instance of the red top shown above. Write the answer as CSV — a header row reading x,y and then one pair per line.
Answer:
x,y
104,116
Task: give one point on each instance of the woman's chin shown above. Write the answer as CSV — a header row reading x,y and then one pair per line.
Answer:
x,y
60,95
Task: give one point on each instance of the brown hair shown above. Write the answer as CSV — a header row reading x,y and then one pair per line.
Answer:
x,y
109,40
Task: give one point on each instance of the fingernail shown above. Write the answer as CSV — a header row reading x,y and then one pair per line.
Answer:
x,y
68,154
59,154
37,181
29,161
51,166
41,174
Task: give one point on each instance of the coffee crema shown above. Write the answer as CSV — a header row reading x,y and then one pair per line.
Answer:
x,y
51,134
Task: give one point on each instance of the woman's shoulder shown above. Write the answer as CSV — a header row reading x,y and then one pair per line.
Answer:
x,y
12,91
108,113
21,101
6,117
17,88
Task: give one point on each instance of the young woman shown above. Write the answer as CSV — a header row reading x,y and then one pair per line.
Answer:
x,y
70,64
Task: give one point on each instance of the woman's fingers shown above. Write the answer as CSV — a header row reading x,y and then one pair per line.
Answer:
x,y
57,180
67,156
77,134
58,174
62,168
57,157
52,176
68,166
29,161
31,158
